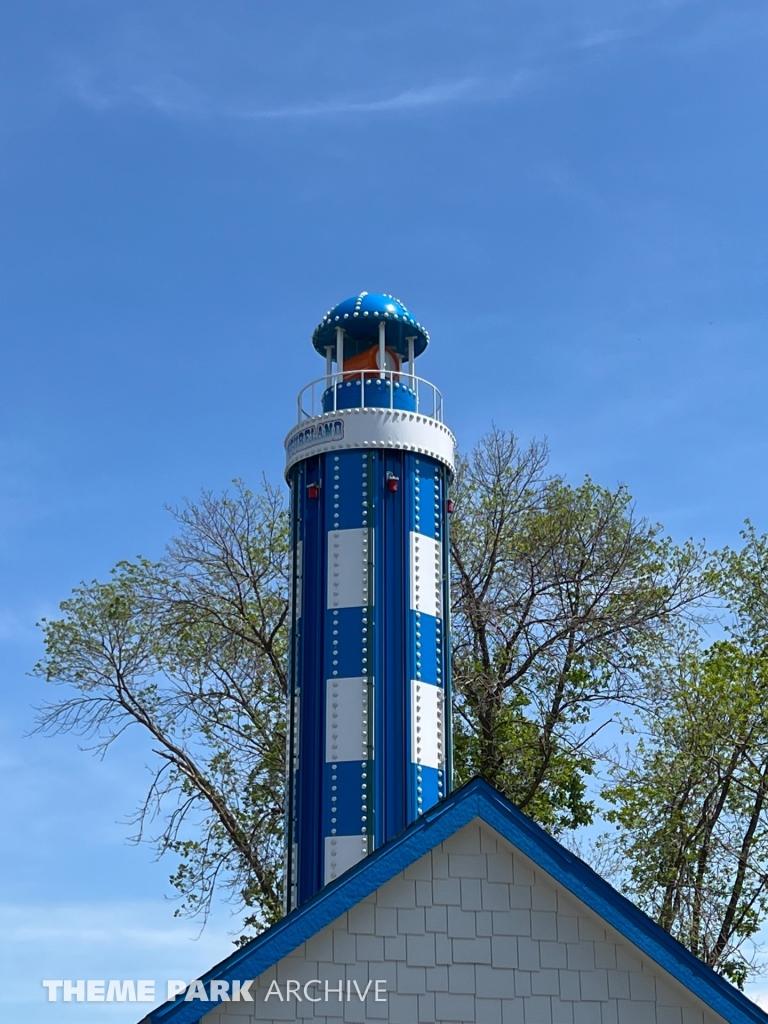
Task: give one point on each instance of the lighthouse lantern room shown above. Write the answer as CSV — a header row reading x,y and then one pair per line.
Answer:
x,y
369,464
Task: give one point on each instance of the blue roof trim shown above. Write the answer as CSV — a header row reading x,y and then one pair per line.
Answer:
x,y
475,800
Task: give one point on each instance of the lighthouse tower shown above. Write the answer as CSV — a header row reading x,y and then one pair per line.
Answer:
x,y
369,465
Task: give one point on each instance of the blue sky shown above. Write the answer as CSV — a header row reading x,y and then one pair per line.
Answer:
x,y
571,196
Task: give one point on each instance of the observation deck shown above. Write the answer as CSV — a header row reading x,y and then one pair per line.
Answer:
x,y
366,389
370,409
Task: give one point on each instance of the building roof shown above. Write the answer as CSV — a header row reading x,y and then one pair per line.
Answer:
x,y
360,316
475,800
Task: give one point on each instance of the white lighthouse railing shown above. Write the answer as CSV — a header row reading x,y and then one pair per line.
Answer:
x,y
379,389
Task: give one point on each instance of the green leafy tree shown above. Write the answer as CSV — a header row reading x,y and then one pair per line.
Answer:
x,y
192,649
560,596
690,804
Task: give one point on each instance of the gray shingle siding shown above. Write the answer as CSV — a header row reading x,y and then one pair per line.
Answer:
x,y
472,932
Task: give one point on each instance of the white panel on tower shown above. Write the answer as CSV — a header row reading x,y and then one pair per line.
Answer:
x,y
426,575
342,853
346,719
427,711
348,571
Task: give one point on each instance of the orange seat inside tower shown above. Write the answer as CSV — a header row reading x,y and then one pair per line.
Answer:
x,y
369,360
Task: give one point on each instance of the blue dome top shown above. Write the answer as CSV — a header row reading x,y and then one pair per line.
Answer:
x,y
360,317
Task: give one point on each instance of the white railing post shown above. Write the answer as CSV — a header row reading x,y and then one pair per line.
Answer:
x,y
411,372
339,362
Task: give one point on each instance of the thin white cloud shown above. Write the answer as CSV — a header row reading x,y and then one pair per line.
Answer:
x,y
146,76
410,99
604,37
174,97
136,77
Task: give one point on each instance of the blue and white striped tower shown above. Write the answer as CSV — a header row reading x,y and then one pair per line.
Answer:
x,y
369,465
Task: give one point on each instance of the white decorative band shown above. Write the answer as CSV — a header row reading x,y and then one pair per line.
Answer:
x,y
370,428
